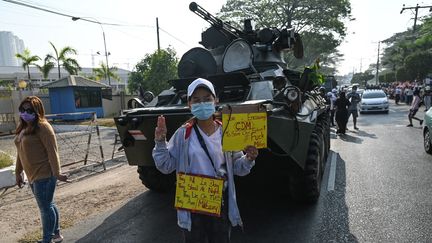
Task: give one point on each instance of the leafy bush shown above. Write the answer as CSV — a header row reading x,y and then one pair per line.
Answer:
x,y
5,160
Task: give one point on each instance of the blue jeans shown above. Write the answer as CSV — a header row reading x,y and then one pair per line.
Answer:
x,y
43,190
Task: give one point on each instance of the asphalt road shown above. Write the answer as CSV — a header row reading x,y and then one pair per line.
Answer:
x,y
379,191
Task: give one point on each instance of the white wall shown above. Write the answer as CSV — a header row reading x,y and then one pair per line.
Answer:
x,y
113,107
9,107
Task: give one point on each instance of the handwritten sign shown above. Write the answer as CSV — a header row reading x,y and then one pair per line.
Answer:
x,y
242,129
199,194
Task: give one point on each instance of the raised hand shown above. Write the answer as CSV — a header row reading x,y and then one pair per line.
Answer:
x,y
161,130
251,152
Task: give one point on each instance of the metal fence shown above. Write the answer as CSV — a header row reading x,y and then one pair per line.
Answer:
x,y
78,139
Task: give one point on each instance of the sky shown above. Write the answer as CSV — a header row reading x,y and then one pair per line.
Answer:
x,y
181,29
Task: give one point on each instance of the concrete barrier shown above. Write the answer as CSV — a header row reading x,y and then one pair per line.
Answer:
x,y
7,177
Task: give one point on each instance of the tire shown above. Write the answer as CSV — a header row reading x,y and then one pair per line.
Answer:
x,y
427,141
324,125
323,139
154,180
305,185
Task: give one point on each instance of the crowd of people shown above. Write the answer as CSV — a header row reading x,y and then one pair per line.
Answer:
x,y
343,103
404,92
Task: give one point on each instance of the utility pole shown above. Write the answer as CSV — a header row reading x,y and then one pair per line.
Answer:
x,y
377,66
157,33
416,13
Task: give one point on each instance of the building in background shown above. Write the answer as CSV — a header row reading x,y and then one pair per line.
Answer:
x,y
10,45
15,74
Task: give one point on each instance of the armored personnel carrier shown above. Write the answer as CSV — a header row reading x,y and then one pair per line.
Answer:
x,y
245,66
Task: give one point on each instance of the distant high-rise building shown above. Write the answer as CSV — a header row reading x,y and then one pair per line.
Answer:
x,y
9,46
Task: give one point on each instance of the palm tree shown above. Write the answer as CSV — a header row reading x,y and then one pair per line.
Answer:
x,y
47,66
103,72
71,65
27,60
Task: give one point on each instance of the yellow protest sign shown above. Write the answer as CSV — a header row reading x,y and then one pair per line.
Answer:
x,y
199,194
244,128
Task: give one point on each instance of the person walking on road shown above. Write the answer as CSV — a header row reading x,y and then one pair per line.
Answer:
x,y
196,149
427,97
398,92
409,95
354,99
37,156
342,104
414,108
332,98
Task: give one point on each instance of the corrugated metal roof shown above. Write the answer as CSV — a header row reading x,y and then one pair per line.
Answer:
x,y
75,81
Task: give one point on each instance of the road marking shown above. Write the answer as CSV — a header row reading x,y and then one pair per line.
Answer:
x,y
332,175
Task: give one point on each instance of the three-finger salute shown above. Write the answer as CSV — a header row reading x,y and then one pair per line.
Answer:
x,y
161,130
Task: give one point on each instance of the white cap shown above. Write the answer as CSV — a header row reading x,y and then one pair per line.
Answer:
x,y
200,82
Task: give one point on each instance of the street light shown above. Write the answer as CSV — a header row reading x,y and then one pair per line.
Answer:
x,y
103,33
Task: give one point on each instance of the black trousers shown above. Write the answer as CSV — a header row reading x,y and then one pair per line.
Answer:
x,y
342,120
210,229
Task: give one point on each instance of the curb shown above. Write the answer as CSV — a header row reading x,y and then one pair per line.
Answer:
x,y
7,174
79,174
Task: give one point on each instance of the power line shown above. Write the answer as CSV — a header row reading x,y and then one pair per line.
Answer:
x,y
166,32
90,20
71,16
38,8
416,12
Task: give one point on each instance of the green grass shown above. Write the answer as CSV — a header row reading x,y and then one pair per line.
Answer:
x,y
5,160
107,122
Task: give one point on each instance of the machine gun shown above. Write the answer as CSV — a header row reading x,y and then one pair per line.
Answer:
x,y
266,39
226,29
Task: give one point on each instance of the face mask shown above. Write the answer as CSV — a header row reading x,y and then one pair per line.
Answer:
x,y
204,110
27,117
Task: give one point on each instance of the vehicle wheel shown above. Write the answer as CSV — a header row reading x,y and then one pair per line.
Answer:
x,y
386,112
320,128
427,142
305,185
154,180
324,123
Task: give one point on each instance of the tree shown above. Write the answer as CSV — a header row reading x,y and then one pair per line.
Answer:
x,y
154,71
362,78
317,46
409,54
418,64
103,72
320,22
27,60
402,74
63,60
47,66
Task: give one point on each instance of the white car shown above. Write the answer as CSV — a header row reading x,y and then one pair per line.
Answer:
x,y
374,100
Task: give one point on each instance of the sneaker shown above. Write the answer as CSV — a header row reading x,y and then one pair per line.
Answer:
x,y
421,122
57,238
356,128
409,125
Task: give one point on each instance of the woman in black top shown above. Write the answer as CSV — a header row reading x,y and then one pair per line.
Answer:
x,y
342,104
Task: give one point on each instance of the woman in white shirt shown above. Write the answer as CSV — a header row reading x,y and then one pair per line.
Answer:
x,y
196,149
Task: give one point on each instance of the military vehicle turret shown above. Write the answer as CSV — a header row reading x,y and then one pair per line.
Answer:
x,y
244,65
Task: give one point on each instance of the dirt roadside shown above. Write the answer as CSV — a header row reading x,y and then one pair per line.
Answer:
x,y
97,194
